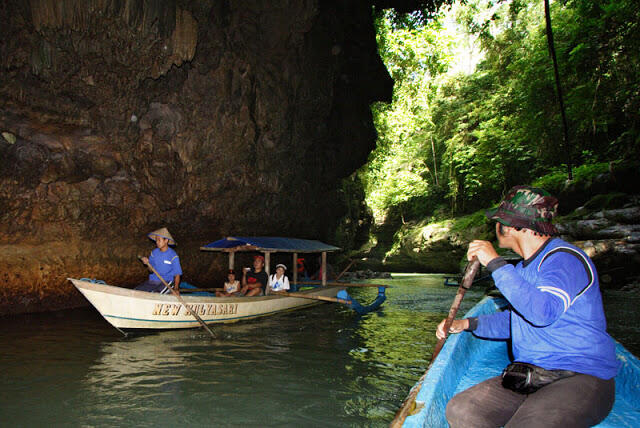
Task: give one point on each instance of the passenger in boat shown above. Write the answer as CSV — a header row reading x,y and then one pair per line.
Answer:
x,y
231,287
165,261
254,281
565,361
302,269
278,281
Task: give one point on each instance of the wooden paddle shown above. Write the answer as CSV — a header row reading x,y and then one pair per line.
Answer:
x,y
311,296
180,299
409,403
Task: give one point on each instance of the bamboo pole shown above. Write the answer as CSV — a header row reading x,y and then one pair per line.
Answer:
x,y
342,284
311,296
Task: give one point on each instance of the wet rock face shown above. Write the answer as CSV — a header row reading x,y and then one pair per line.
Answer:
x,y
212,118
611,237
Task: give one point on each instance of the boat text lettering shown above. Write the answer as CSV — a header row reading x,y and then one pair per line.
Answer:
x,y
170,309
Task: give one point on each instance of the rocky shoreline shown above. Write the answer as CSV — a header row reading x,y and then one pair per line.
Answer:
x,y
601,216
611,237
364,274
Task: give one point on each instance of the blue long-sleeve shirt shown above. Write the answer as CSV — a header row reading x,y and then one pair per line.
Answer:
x,y
556,318
166,263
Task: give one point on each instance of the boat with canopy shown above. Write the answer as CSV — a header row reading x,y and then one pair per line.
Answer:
x,y
270,245
134,310
295,246
466,360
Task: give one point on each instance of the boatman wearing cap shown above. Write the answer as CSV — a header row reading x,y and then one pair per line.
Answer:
x,y
254,282
165,261
564,360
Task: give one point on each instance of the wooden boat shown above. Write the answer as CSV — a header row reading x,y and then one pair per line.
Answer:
x,y
130,310
466,360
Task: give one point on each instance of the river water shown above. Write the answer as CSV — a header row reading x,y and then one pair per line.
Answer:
x,y
319,367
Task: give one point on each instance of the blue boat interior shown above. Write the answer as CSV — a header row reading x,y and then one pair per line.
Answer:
x,y
466,360
186,285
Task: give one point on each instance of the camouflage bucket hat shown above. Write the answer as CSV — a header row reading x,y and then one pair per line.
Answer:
x,y
527,207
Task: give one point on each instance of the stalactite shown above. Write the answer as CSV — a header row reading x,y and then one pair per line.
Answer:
x,y
175,27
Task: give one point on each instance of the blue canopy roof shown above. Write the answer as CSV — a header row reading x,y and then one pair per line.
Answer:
x,y
263,243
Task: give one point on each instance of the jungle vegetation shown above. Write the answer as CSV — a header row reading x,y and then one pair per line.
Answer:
x,y
458,135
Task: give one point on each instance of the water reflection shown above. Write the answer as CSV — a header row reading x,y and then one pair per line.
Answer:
x,y
324,366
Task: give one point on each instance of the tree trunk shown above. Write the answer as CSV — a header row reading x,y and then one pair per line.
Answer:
x,y
552,53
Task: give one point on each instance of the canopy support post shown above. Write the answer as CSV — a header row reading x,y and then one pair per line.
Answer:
x,y
267,262
232,256
294,265
324,268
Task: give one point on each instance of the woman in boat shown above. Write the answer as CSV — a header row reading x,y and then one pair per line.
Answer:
x,y
231,287
278,281
565,363
165,261
254,282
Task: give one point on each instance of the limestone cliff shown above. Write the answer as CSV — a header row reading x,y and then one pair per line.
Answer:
x,y
212,118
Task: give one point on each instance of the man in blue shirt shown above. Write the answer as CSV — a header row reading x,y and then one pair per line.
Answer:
x,y
555,322
165,261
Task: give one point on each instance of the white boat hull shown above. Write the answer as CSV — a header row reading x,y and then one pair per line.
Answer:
x,y
128,309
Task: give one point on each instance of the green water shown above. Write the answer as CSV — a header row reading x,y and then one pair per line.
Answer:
x,y
324,366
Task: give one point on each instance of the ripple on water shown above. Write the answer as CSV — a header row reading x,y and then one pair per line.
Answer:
x,y
324,366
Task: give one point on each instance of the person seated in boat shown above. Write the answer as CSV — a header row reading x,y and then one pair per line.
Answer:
x,y
254,281
302,268
231,287
165,261
278,281
565,361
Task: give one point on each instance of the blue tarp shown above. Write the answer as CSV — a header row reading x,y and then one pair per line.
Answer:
x,y
262,243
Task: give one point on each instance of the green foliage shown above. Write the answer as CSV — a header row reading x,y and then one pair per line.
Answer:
x,y
609,201
400,170
452,143
555,180
474,220
353,229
